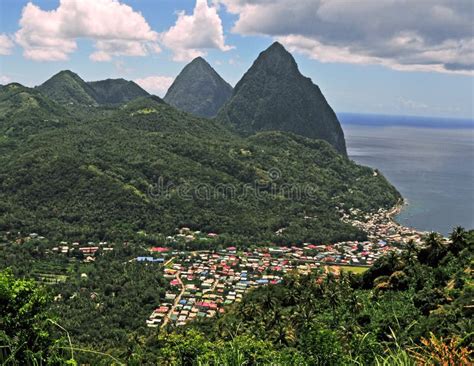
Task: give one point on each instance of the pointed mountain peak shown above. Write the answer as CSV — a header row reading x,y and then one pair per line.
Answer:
x,y
67,74
200,65
199,59
277,47
277,59
274,95
199,89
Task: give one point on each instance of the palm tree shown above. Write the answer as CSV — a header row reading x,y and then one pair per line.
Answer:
x,y
283,333
434,250
433,241
250,310
269,301
393,261
458,240
332,296
410,252
303,315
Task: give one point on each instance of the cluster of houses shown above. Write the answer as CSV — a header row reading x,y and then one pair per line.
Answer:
x,y
381,226
187,235
203,282
88,251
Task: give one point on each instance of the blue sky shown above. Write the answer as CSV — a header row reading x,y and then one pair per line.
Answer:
x,y
420,64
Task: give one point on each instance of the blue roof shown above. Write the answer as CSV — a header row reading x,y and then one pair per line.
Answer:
x,y
262,281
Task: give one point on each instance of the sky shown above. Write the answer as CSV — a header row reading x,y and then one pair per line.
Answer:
x,y
394,57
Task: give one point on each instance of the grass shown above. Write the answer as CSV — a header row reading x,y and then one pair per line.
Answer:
x,y
354,269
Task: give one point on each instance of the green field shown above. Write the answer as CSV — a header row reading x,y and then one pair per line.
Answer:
x,y
354,269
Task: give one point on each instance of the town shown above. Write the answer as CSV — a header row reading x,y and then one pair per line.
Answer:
x,y
202,282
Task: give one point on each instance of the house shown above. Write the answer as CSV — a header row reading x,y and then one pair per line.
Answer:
x,y
159,250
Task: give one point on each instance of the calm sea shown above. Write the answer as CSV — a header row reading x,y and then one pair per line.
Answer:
x,y
429,160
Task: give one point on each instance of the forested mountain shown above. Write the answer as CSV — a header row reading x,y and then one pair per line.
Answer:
x,y
116,91
273,95
199,90
67,87
144,166
25,111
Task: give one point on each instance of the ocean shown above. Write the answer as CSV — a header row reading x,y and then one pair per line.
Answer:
x,y
429,160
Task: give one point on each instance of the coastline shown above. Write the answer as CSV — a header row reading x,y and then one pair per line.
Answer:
x,y
382,225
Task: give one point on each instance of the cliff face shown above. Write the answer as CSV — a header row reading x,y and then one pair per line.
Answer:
x,y
274,95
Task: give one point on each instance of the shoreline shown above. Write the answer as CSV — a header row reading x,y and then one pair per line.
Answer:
x,y
382,225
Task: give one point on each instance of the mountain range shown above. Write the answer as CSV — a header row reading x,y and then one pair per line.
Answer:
x,y
88,161
67,87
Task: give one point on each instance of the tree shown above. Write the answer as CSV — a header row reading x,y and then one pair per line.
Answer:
x,y
458,240
25,334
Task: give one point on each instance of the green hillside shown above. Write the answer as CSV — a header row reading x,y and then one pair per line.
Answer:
x,y
68,88
24,111
147,167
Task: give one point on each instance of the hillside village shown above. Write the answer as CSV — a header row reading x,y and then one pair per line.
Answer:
x,y
202,282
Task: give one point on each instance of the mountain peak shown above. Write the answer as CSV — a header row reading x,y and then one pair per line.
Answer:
x,y
277,47
274,95
65,72
199,59
277,59
68,87
199,89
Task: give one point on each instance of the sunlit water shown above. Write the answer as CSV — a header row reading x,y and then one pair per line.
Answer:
x,y
433,168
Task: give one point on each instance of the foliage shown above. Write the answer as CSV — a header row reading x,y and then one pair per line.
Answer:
x,y
25,328
113,172
311,319
379,317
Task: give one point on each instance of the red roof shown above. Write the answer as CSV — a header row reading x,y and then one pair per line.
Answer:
x,y
159,249
204,304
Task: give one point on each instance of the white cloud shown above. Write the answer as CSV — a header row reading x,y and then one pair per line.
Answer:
x,y
155,84
6,45
4,79
434,35
115,28
192,35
